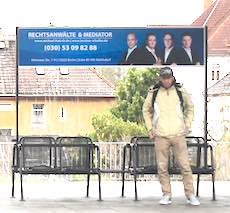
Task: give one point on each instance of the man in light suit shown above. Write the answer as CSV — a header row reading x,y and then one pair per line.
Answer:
x,y
132,55
169,54
186,55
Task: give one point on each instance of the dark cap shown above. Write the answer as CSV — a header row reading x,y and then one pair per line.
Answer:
x,y
166,71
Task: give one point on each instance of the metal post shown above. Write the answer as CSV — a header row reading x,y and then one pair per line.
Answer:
x,y
206,96
17,88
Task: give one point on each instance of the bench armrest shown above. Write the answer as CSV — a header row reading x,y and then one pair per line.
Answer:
x,y
126,148
212,156
15,156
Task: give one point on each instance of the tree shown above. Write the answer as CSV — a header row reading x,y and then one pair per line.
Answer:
x,y
131,92
125,120
108,127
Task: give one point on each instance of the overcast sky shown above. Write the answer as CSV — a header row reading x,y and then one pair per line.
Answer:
x,y
96,13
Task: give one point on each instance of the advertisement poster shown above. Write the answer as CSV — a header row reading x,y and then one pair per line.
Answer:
x,y
110,46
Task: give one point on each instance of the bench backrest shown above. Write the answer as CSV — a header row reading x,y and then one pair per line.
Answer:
x,y
62,153
145,156
38,152
74,153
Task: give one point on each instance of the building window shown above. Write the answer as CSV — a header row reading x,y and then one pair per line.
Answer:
x,y
38,114
62,114
40,70
213,75
217,75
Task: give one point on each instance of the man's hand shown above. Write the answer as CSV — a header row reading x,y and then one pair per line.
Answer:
x,y
151,134
188,131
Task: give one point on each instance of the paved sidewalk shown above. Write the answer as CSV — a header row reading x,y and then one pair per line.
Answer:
x,y
68,197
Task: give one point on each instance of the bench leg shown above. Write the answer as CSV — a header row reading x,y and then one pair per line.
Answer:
x,y
88,180
123,172
13,179
213,187
99,185
123,185
135,185
197,185
21,180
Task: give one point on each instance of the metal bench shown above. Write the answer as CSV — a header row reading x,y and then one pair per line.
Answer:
x,y
139,159
63,156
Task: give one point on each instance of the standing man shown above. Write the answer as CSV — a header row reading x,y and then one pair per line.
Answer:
x,y
186,55
169,54
132,55
168,114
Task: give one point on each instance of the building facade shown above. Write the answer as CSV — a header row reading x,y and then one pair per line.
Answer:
x,y
52,100
217,18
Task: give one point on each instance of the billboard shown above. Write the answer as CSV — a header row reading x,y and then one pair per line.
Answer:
x,y
110,46
96,62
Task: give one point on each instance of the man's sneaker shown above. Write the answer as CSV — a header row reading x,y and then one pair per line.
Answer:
x,y
193,200
165,200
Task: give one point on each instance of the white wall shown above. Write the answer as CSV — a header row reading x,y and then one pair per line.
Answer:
x,y
193,80
219,116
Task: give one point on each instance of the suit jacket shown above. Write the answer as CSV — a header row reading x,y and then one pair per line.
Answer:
x,y
172,57
133,58
183,58
147,57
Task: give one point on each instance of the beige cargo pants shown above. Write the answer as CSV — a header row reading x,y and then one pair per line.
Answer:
x,y
180,151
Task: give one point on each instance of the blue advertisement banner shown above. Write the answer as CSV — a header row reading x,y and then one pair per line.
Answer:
x,y
110,46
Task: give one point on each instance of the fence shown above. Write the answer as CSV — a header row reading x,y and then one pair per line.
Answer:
x,y
6,150
222,156
111,158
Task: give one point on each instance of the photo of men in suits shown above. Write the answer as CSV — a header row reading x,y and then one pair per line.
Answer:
x,y
169,53
149,53
132,55
186,55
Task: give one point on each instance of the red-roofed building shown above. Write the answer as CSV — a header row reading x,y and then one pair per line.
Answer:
x,y
53,101
217,17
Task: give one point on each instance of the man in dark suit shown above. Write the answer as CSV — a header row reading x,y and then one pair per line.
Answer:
x,y
149,53
132,55
169,54
186,55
